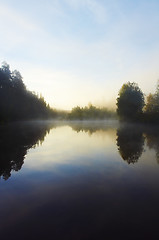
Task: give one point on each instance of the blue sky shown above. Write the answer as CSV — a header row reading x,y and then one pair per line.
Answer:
x,y
80,51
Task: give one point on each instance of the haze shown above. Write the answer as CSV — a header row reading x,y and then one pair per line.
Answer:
x,y
80,51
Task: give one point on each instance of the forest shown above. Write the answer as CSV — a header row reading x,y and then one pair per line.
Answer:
x,y
16,101
90,112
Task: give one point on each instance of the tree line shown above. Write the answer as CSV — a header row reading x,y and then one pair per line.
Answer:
x,y
18,103
90,112
132,106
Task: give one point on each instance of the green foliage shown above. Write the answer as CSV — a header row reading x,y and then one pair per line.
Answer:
x,y
90,112
130,102
16,102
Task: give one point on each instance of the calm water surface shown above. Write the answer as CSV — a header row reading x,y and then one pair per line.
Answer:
x,y
88,180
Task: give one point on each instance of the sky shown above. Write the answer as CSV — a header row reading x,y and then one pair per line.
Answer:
x,y
76,52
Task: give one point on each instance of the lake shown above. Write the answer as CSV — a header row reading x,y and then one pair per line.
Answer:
x,y
79,180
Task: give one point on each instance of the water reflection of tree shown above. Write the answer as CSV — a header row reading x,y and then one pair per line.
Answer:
x,y
87,129
15,140
90,127
152,136
130,142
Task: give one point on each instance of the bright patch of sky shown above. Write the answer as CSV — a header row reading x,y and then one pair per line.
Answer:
x,y
80,51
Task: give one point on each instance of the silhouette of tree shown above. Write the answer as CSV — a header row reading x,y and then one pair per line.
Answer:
x,y
130,102
17,80
16,102
6,69
5,76
152,106
90,112
130,142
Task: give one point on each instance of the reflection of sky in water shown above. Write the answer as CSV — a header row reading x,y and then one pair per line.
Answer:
x,y
65,146
79,181
65,149
66,153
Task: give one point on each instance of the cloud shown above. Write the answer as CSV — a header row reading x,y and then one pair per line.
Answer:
x,y
54,58
14,18
15,27
96,8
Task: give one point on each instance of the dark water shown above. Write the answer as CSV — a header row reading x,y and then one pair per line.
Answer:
x,y
79,181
